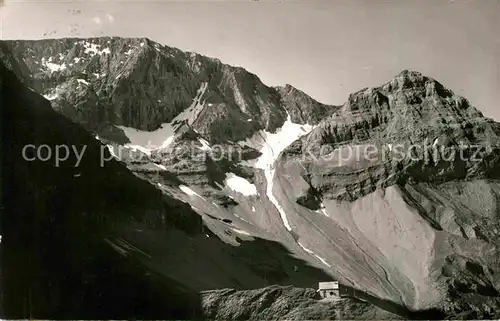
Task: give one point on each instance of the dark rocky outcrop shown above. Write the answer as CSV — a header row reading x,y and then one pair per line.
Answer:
x,y
55,263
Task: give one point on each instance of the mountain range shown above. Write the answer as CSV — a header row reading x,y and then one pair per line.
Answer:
x,y
198,182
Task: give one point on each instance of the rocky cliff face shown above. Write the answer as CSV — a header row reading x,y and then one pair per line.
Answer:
x,y
394,193
141,84
411,128
401,170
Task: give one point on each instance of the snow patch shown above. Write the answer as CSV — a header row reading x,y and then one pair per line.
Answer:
x,y
204,144
269,191
240,185
148,141
189,191
241,218
191,113
51,96
112,151
136,148
274,144
93,49
54,67
83,81
241,232
117,248
314,254
160,139
238,97
162,167
322,210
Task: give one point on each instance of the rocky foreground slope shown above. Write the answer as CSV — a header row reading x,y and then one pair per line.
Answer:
x,y
394,193
286,303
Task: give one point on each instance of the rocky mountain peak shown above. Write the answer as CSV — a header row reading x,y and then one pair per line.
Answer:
x,y
301,107
408,113
138,83
413,96
414,80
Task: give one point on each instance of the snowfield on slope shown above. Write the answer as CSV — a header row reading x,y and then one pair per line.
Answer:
x,y
189,191
272,145
240,185
51,96
148,141
51,66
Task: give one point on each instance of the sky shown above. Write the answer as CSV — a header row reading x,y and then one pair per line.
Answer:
x,y
328,49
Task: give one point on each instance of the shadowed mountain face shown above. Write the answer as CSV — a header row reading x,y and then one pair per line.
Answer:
x,y
93,240
213,180
55,263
